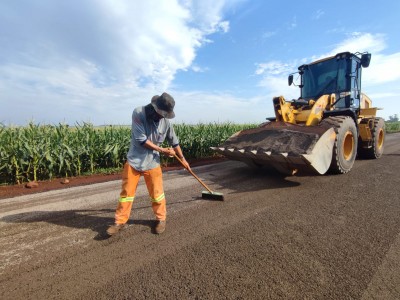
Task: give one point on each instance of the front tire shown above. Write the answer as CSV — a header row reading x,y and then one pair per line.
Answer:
x,y
345,145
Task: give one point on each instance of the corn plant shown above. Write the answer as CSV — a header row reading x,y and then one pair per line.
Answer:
x,y
196,140
392,127
40,152
116,143
13,158
34,148
62,154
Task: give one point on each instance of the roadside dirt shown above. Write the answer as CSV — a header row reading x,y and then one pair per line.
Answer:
x,y
11,191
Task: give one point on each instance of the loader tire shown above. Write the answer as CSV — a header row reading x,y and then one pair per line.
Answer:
x,y
345,145
378,139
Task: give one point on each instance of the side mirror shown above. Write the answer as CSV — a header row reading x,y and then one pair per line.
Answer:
x,y
290,79
365,60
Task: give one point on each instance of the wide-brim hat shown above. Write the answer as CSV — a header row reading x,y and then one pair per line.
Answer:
x,y
164,105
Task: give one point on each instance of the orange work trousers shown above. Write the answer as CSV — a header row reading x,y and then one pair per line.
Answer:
x,y
130,180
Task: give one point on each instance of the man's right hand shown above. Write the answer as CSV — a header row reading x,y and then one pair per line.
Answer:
x,y
168,152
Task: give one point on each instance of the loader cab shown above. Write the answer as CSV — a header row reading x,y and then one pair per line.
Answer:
x,y
339,75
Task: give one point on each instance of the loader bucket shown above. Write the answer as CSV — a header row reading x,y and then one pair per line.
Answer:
x,y
285,147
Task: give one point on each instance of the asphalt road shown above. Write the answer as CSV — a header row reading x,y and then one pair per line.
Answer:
x,y
300,237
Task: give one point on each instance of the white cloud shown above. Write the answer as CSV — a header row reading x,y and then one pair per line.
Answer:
x,y
125,40
198,69
224,26
377,79
278,86
318,14
206,14
274,68
293,23
220,107
98,57
383,69
360,42
96,63
275,79
268,34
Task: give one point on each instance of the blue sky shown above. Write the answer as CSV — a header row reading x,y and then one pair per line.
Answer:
x,y
95,61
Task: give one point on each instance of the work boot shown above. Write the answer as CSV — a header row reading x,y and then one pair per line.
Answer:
x,y
113,229
160,227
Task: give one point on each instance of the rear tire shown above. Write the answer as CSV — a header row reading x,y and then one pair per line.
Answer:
x,y
345,146
378,140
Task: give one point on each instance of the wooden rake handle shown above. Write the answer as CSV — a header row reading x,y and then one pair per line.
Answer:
x,y
194,175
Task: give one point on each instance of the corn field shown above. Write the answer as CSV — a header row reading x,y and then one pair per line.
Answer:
x,y
42,152
392,127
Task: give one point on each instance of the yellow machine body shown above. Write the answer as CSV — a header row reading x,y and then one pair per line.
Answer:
x,y
318,133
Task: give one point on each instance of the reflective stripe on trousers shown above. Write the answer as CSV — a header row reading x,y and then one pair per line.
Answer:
x,y
130,180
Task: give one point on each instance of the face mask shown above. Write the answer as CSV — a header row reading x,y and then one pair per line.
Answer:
x,y
151,113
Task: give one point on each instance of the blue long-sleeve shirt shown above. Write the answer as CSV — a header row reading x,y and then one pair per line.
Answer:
x,y
143,129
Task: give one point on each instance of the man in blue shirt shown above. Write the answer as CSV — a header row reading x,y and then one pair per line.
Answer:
x,y
150,127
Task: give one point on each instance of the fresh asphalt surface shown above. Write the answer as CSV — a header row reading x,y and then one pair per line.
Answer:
x,y
300,237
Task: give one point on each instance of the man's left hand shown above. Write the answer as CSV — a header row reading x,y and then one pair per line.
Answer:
x,y
185,163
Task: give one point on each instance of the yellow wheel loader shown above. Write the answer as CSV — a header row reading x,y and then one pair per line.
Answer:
x,y
323,130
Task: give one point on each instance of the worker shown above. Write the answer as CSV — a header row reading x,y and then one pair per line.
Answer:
x,y
150,127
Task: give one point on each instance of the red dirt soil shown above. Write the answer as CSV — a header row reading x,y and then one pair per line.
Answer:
x,y
10,191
